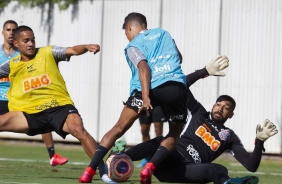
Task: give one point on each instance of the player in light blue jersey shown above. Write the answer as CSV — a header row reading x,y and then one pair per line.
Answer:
x,y
157,80
7,51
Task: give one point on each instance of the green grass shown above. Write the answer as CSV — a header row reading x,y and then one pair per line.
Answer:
x,y
34,167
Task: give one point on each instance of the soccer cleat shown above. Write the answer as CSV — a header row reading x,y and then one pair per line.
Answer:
x,y
243,180
87,175
119,147
142,163
58,160
146,173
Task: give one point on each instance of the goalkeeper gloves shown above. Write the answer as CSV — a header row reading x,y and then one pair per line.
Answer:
x,y
216,65
267,130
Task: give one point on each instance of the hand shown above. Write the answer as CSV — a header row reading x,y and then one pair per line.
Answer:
x,y
216,65
267,130
93,48
146,106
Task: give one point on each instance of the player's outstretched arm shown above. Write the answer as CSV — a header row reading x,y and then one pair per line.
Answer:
x,y
81,49
252,161
214,67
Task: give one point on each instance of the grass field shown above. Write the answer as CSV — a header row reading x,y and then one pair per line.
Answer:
x,y
28,163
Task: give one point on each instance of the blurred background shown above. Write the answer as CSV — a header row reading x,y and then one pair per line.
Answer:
x,y
247,31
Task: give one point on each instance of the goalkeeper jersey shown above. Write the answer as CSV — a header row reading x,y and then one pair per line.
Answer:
x,y
202,140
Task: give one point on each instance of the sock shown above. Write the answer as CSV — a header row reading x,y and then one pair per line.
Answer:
x,y
101,168
98,156
160,155
51,151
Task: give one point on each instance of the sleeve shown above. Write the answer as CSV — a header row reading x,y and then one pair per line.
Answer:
x,y
193,104
59,53
5,69
193,77
135,55
250,161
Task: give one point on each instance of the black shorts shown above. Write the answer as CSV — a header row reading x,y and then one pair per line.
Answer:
x,y
51,119
4,107
156,115
170,96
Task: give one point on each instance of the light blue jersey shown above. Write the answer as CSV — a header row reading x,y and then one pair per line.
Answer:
x,y
5,82
162,56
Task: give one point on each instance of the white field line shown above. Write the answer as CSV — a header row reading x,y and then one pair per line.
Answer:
x,y
45,161
256,173
17,182
84,163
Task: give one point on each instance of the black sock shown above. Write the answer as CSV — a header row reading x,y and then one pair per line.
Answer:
x,y
51,151
160,155
98,156
101,168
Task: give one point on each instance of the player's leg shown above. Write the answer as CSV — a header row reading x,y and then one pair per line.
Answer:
x,y
145,123
158,118
55,159
172,96
192,173
73,125
13,122
144,149
145,131
158,128
8,120
127,118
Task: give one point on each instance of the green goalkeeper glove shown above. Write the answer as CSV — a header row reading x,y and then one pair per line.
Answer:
x,y
267,130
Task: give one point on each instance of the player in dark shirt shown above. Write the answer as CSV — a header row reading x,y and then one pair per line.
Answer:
x,y
203,139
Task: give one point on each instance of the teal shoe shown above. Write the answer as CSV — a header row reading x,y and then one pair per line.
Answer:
x,y
243,180
142,163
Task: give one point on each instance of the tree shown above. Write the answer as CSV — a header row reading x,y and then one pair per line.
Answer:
x,y
49,5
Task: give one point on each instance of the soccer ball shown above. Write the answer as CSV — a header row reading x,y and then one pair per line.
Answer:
x,y
120,167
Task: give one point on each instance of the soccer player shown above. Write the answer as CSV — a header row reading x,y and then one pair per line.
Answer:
x,y
7,51
38,98
157,80
157,118
203,139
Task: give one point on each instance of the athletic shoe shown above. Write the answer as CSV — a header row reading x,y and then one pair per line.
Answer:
x,y
146,173
119,147
243,180
87,175
58,160
106,179
142,163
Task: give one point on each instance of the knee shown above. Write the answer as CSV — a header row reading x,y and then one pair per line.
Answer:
x,y
75,127
217,170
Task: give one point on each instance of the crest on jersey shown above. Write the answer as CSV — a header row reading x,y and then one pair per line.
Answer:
x,y
224,134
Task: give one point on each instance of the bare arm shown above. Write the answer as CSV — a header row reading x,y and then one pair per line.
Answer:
x,y
81,49
145,80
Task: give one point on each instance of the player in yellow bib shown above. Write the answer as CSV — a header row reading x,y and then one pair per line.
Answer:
x,y
38,98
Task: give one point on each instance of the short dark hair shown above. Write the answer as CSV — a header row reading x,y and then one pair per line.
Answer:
x,y
10,22
228,98
138,17
20,29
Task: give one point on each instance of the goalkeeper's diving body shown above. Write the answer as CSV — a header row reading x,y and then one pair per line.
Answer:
x,y
203,139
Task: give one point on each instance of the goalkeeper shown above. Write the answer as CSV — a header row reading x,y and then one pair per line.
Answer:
x,y
204,138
